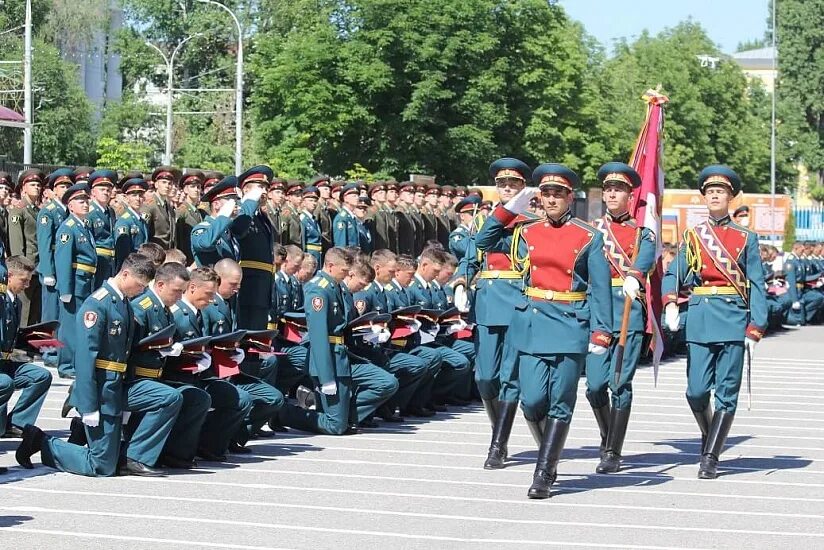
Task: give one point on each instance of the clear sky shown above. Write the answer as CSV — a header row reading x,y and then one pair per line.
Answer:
x,y
727,22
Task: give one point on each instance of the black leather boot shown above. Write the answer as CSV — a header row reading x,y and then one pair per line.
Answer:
x,y
704,419
492,406
603,421
33,441
537,430
720,428
611,460
546,470
77,435
500,435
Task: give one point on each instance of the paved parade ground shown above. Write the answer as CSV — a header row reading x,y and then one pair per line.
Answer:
x,y
421,485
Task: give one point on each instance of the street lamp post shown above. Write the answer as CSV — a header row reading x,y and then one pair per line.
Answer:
x,y
170,61
238,88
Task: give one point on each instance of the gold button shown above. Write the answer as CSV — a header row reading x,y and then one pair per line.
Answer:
x,y
546,225
569,271
532,248
575,251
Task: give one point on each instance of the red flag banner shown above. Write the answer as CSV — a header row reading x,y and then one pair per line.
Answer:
x,y
645,206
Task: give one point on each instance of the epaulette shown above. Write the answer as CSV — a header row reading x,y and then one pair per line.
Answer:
x,y
323,283
146,302
50,206
367,287
582,224
388,286
70,222
174,309
314,279
125,215
100,293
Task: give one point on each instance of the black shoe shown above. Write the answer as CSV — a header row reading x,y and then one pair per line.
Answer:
x,y
611,459
238,449
500,435
12,432
393,419
708,468
135,468
67,375
437,407
457,401
77,435
67,407
549,454
264,432
418,412
305,397
178,463
369,423
352,430
542,482
275,425
209,456
721,424
32,443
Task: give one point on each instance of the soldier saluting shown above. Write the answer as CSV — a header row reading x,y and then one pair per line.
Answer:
x,y
727,312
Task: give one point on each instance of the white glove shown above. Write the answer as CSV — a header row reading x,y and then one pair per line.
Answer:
x,y
595,349
174,351
254,194
384,336
456,327
204,362
426,338
520,202
127,415
671,317
238,356
749,345
631,288
796,306
819,283
372,338
330,388
49,281
461,299
66,298
228,208
415,326
92,419
435,330
50,349
19,356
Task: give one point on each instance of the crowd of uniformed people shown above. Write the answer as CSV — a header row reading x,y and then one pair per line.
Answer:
x,y
194,311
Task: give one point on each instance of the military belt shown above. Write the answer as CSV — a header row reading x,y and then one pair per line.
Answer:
x,y
84,267
336,339
617,281
146,372
262,266
314,247
554,295
271,326
108,252
496,274
400,342
714,290
113,366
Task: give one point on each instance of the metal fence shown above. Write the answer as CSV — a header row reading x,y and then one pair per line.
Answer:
x,y
809,224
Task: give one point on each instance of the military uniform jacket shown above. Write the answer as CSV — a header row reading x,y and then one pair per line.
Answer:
x,y
619,249
75,259
324,216
219,317
49,219
310,235
189,324
346,231
560,257
212,241
717,318
290,221
161,222
102,222
459,241
396,296
188,216
326,320
382,225
406,231
11,312
444,227
151,315
4,227
420,293
130,232
420,229
23,223
104,340
430,223
272,213
256,241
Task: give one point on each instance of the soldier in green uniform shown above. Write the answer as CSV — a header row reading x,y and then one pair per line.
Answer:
x,y
727,311
49,218
345,232
103,343
430,216
23,224
102,219
188,214
408,227
273,206
290,213
160,212
323,213
311,237
6,189
130,228
379,217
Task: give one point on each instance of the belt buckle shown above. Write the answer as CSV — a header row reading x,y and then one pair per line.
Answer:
x,y
496,274
549,294
714,290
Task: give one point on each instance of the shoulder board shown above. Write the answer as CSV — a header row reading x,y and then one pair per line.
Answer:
x,y
741,228
146,302
174,309
125,215
367,287
100,293
70,223
582,224
50,206
323,283
388,286
314,280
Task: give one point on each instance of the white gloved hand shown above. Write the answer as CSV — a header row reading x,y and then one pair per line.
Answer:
x,y
819,283
238,356
174,351
434,330
749,345
461,298
127,415
631,288
204,362
384,336
49,281
66,298
595,349
456,327
227,209
415,326
796,306
520,202
254,194
92,419
372,338
19,356
330,388
671,317
426,338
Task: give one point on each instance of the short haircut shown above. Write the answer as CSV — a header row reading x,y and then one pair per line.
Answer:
x,y
139,265
431,243
280,251
407,263
383,257
176,255
293,251
226,266
449,259
310,262
433,255
362,269
17,264
170,271
202,275
338,256
153,251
